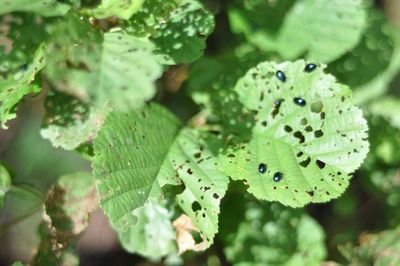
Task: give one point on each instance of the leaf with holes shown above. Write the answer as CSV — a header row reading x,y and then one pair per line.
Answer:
x,y
70,123
308,136
153,235
278,236
178,28
196,168
323,31
41,7
119,69
21,35
121,8
18,85
133,161
129,152
182,38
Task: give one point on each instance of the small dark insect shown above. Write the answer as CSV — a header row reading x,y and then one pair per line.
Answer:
x,y
281,76
277,176
262,168
23,67
310,67
299,101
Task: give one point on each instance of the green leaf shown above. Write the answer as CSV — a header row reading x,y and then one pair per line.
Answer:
x,y
18,263
120,69
196,166
124,179
321,31
375,249
126,74
5,184
312,147
22,34
42,7
133,161
182,38
370,57
275,235
68,205
247,15
121,8
16,86
153,235
70,123
388,108
20,202
179,28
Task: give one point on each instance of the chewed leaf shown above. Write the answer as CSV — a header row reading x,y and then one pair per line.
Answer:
x,y
120,8
197,169
70,123
182,38
16,86
308,135
178,28
129,153
153,235
125,74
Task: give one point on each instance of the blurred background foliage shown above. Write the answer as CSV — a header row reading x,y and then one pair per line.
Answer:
x,y
361,47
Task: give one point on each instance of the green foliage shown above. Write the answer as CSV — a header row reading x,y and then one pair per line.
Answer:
x,y
19,84
69,122
375,249
275,235
313,146
5,183
304,29
153,235
178,28
126,181
205,153
120,8
42,7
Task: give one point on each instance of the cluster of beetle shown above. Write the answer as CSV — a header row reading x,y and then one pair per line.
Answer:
x,y
262,167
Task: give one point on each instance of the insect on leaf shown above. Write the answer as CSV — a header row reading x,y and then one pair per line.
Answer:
x,y
308,134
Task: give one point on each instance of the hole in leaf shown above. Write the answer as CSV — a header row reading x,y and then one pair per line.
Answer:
x,y
300,136
316,107
303,121
196,236
196,206
309,128
311,193
320,164
306,162
288,129
318,133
